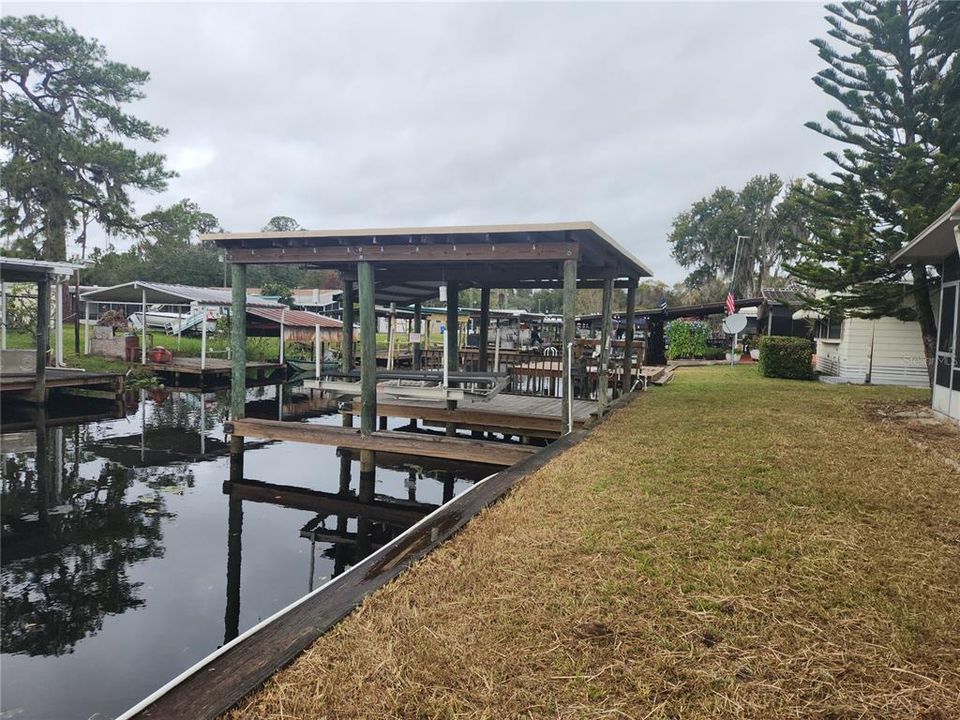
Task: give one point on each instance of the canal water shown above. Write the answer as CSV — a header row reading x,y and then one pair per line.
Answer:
x,y
127,555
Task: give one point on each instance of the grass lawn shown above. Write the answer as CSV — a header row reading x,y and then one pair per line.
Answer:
x,y
189,346
725,546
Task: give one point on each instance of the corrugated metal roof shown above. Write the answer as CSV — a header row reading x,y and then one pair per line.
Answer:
x,y
782,297
295,318
170,294
18,269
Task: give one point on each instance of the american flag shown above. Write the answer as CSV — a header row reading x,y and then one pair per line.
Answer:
x,y
731,302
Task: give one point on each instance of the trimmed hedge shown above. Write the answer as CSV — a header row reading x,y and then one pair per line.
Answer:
x,y
786,357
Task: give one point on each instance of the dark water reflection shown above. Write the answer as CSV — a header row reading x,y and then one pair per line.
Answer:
x,y
127,554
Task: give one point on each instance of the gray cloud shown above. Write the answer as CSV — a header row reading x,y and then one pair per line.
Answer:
x,y
402,114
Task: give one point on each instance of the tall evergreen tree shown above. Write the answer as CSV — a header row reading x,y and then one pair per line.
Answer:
x,y
896,171
63,123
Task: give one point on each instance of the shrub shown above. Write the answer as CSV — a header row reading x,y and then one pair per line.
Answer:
x,y
714,353
687,339
786,357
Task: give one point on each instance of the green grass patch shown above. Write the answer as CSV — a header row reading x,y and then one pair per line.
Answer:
x,y
726,546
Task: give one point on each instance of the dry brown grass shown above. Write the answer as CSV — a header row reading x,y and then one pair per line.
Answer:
x,y
728,546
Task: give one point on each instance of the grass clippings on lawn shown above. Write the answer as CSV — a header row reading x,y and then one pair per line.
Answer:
x,y
727,546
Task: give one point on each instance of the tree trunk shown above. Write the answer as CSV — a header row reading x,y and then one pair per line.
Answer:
x,y
55,230
925,316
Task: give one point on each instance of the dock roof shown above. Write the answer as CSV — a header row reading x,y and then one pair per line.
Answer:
x,y
294,318
170,294
412,262
22,270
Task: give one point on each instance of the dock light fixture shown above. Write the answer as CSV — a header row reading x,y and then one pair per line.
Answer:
x,y
443,292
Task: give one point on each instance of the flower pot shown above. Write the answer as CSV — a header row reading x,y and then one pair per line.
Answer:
x,y
755,353
160,355
733,357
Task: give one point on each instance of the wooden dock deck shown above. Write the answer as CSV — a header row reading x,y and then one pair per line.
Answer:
x,y
64,379
215,369
402,443
213,366
526,415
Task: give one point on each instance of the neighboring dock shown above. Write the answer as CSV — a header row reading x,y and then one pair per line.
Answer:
x,y
21,385
26,374
203,370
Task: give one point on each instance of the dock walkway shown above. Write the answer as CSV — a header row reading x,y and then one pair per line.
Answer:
x,y
527,415
17,384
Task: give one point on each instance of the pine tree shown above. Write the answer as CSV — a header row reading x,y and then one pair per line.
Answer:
x,y
895,172
63,124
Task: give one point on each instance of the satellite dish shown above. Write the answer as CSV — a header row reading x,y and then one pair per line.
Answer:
x,y
733,324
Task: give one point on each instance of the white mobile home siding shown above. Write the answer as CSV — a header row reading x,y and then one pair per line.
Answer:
x,y
898,357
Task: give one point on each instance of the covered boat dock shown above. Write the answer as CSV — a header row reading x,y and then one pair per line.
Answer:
x,y
407,265
415,265
28,374
194,302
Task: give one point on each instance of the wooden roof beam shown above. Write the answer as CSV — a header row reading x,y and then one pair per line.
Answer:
x,y
421,253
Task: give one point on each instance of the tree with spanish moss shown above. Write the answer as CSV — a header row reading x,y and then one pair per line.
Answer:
x,y
64,128
763,213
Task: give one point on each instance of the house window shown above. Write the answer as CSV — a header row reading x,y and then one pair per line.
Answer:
x,y
829,328
948,335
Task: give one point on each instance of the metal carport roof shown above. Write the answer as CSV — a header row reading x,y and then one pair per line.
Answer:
x,y
170,294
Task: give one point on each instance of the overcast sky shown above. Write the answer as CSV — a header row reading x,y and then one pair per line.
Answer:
x,y
366,115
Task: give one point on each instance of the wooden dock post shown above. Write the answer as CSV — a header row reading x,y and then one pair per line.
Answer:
x,y
484,327
143,326
483,340
569,335
346,342
418,346
43,338
603,366
238,358
628,333
3,315
452,341
368,364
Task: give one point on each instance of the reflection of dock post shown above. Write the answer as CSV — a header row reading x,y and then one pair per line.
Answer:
x,y
231,618
448,487
628,331
238,356
569,335
346,460
341,550
452,340
411,484
368,371
346,337
42,463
